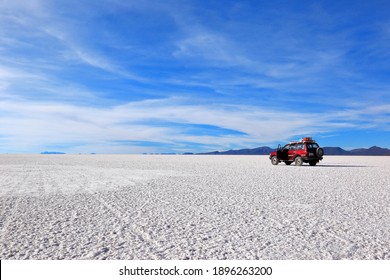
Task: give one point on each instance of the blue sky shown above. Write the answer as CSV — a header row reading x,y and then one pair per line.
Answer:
x,y
192,76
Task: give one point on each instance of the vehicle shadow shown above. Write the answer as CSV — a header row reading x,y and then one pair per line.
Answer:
x,y
338,165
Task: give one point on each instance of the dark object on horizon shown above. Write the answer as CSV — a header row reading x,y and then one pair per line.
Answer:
x,y
333,151
256,151
329,151
373,151
52,153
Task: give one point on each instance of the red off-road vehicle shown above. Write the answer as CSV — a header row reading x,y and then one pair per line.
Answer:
x,y
298,152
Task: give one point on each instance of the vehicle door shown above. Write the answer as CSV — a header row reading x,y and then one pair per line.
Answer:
x,y
311,149
283,152
291,152
300,149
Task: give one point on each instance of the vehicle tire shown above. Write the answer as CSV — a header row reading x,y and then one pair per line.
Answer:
x,y
312,163
287,162
319,152
274,160
298,161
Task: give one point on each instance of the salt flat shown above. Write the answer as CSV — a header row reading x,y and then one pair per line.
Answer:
x,y
192,207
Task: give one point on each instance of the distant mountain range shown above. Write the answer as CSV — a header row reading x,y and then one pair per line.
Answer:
x,y
331,151
373,151
52,153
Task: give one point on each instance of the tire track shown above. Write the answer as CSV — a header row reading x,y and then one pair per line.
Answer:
x,y
12,194
290,226
6,199
127,220
316,230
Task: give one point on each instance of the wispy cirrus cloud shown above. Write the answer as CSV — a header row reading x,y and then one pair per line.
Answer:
x,y
39,22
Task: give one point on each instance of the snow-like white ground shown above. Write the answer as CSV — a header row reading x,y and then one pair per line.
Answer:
x,y
192,207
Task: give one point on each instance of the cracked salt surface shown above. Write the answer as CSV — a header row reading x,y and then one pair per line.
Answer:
x,y
192,207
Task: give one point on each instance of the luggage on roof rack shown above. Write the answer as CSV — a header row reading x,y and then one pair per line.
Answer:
x,y
307,139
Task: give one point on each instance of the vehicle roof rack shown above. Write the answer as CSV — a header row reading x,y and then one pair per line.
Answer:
x,y
307,139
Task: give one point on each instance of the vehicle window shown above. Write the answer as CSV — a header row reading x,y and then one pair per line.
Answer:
x,y
286,147
299,147
312,145
292,147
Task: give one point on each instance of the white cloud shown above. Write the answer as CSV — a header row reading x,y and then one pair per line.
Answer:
x,y
7,74
33,124
212,48
85,54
